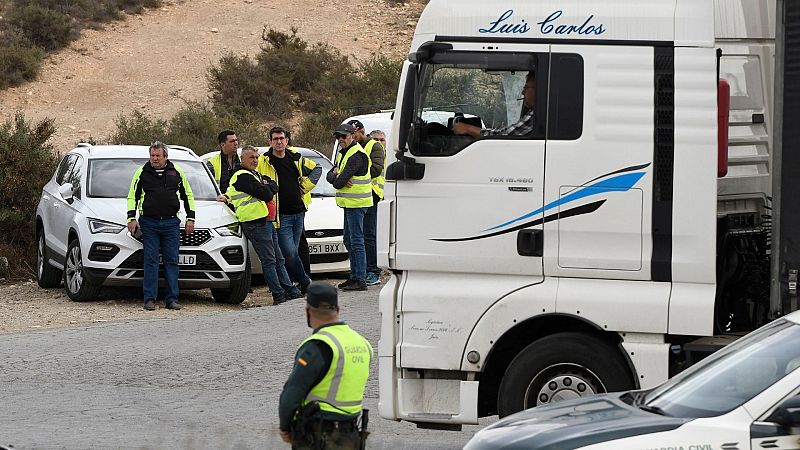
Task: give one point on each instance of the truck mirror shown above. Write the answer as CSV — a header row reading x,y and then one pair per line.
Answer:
x,y
787,414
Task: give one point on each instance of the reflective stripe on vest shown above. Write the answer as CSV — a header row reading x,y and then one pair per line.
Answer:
x,y
341,390
359,195
247,207
377,182
216,163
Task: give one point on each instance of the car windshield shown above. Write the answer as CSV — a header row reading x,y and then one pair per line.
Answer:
x,y
111,178
323,188
733,375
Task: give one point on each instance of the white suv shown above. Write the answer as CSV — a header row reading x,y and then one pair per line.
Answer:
x,y
83,239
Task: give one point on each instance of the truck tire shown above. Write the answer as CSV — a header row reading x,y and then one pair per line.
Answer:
x,y
559,367
78,288
236,292
47,276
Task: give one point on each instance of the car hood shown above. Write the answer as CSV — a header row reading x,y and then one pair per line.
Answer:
x,y
323,214
209,214
572,424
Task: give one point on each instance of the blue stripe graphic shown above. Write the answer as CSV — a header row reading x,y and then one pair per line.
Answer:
x,y
619,183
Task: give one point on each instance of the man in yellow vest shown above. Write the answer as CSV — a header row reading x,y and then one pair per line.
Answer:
x,y
222,164
377,157
321,401
296,177
249,193
350,176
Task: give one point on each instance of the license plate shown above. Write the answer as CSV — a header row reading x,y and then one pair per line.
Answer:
x,y
326,248
183,260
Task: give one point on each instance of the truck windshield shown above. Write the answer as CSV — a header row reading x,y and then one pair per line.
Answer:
x,y
732,376
483,90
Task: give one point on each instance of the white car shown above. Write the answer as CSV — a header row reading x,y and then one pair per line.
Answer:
x,y
83,238
745,396
323,221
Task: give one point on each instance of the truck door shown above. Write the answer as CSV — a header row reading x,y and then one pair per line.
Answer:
x,y
478,206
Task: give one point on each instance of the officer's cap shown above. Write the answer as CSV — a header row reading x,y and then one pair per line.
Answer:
x,y
322,295
344,129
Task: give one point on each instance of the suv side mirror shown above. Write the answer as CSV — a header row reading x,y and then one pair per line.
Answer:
x,y
787,414
66,192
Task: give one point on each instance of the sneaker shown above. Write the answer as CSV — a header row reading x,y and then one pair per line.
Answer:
x,y
304,288
345,284
150,305
294,295
355,285
277,300
173,305
372,279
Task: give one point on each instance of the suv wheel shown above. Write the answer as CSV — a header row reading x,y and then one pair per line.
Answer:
x,y
47,276
78,287
237,291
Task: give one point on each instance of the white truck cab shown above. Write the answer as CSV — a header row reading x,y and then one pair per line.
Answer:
x,y
538,263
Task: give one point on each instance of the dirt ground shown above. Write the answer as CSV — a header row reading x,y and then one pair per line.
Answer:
x,y
26,307
154,63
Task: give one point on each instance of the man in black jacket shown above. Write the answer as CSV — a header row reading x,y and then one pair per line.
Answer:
x,y
155,191
251,195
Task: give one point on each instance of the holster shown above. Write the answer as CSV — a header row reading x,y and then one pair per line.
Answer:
x,y
303,424
363,433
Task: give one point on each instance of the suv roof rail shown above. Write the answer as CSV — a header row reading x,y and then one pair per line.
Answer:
x,y
85,145
182,148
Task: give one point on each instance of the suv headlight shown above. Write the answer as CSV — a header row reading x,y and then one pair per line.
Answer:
x,y
101,226
229,230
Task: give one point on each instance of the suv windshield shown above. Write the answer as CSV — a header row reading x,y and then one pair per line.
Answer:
x,y
733,375
111,178
323,188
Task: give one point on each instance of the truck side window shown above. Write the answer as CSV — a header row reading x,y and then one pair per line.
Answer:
x,y
565,117
464,96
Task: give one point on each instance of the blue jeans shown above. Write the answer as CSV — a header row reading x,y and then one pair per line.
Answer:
x,y
264,238
289,237
160,236
354,241
370,232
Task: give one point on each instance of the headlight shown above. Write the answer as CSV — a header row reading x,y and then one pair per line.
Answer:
x,y
101,226
229,230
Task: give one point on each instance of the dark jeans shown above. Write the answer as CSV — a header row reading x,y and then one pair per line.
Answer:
x,y
370,232
304,255
160,236
264,238
354,241
289,237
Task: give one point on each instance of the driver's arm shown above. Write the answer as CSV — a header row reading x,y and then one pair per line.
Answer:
x,y
461,128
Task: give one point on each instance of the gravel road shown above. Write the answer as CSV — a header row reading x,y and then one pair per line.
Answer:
x,y
196,378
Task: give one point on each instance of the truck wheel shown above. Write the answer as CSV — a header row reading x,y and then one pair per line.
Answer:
x,y
236,292
47,276
559,367
78,287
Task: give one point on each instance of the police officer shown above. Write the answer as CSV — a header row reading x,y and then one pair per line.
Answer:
x,y
321,401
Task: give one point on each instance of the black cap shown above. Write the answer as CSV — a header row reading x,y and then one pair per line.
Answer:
x,y
322,295
344,129
356,124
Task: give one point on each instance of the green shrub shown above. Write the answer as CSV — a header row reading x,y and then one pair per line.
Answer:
x,y
194,126
19,60
240,87
44,27
27,162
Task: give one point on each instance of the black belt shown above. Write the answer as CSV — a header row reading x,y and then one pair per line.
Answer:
x,y
339,425
160,217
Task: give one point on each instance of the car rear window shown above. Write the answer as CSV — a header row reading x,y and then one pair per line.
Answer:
x,y
111,178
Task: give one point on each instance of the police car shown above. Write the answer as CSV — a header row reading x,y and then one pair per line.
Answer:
x,y
745,396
